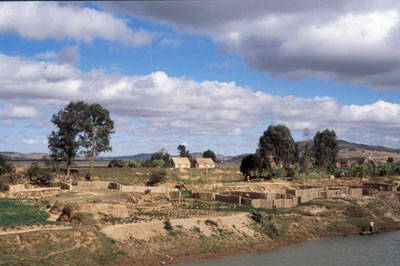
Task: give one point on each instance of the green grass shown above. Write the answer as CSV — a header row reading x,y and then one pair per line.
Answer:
x,y
15,212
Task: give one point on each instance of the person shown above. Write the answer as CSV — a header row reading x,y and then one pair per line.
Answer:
x,y
372,227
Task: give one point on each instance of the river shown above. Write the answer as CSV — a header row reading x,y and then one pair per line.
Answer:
x,y
377,250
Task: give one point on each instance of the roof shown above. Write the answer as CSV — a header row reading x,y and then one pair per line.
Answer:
x,y
204,161
180,160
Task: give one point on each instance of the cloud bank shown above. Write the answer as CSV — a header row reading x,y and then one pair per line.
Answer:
x,y
40,21
341,40
170,106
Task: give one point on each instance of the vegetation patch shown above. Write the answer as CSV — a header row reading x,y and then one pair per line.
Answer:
x,y
18,213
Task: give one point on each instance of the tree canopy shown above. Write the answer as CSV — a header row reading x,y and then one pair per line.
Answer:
x,y
277,142
325,148
251,165
65,142
183,152
80,126
210,154
97,130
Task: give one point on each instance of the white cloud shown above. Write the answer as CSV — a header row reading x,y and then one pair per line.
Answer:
x,y
19,112
34,141
169,106
339,40
43,20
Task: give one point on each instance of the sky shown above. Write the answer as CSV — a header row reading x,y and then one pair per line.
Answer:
x,y
206,74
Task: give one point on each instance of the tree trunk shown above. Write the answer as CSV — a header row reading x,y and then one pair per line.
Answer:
x,y
68,167
92,161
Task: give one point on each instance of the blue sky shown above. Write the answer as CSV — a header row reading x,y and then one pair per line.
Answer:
x,y
211,74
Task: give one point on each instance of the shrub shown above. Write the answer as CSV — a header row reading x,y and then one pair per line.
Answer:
x,y
116,163
168,226
156,177
88,176
135,164
39,176
211,222
257,216
5,166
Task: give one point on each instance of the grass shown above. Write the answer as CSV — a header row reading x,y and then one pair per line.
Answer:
x,y
15,213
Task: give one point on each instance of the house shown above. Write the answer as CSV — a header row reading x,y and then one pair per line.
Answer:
x,y
179,162
203,163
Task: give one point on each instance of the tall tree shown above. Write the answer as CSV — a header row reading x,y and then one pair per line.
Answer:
x,y
183,152
210,154
97,130
278,142
65,142
325,148
251,164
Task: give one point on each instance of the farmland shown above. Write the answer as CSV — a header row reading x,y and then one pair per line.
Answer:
x,y
16,213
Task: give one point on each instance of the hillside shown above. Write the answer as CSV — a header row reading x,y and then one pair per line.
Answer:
x,y
349,149
18,156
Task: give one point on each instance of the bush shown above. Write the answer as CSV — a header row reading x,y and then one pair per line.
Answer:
x,y
135,164
116,164
156,177
168,226
210,222
88,176
5,166
39,176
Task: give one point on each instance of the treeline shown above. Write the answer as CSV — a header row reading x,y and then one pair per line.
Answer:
x,y
159,159
278,155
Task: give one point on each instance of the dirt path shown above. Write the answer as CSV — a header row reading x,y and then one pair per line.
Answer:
x,y
34,230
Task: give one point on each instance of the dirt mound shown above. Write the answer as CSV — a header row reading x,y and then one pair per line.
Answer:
x,y
239,224
100,210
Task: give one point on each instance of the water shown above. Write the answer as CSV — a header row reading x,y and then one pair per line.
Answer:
x,y
376,250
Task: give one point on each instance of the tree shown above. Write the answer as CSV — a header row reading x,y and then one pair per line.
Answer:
x,y
160,156
65,142
5,166
97,130
278,142
325,148
210,154
250,164
305,160
183,152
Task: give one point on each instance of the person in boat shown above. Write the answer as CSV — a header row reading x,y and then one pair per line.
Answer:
x,y
372,227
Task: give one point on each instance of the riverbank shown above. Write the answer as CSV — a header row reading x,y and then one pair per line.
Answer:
x,y
266,231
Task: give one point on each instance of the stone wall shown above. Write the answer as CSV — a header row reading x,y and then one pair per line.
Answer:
x,y
229,198
94,184
16,188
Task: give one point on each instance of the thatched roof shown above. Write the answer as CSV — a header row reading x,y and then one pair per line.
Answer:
x,y
204,161
180,160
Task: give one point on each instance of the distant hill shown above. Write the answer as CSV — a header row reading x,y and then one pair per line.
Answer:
x,y
136,157
18,156
346,150
349,149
